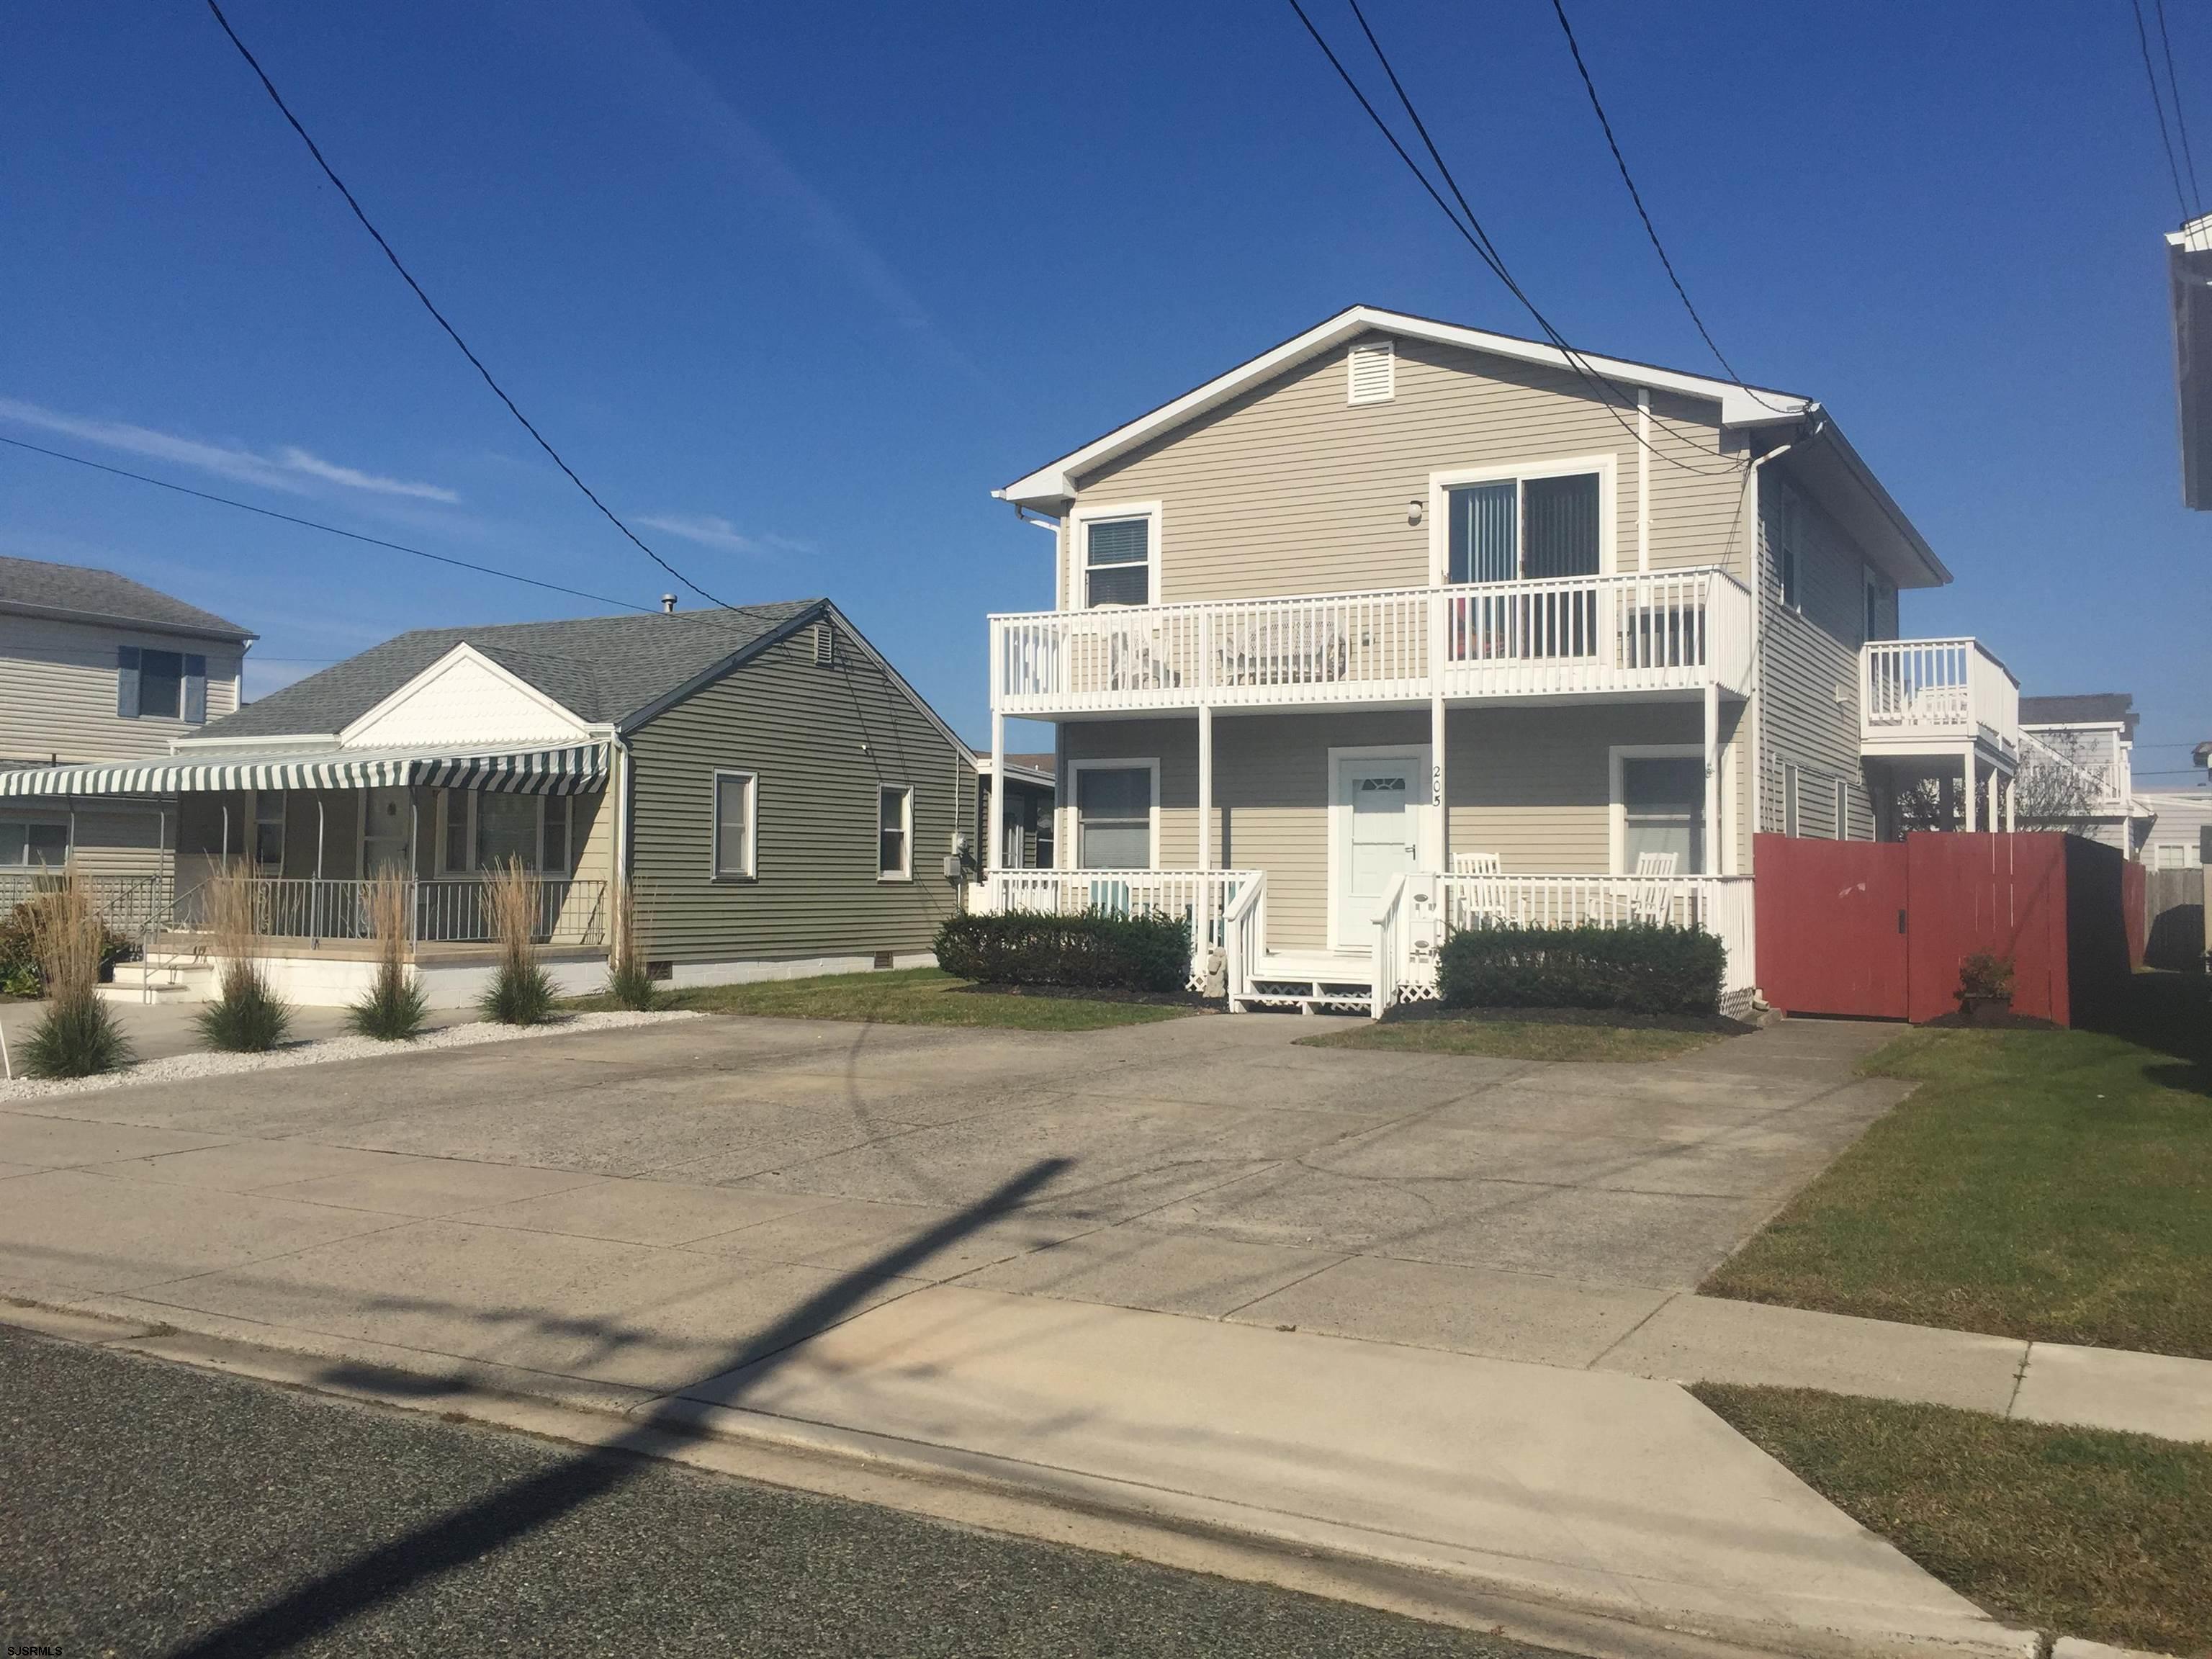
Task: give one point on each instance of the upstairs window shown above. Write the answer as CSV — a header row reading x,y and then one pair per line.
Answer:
x,y
1525,529
1117,561
160,686
1791,531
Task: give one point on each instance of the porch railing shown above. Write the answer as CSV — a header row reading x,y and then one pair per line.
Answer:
x,y
1202,898
131,905
1653,631
1912,691
1244,938
1721,905
1391,947
445,911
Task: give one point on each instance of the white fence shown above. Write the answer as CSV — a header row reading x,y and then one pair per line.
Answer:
x,y
1201,897
1651,631
1911,691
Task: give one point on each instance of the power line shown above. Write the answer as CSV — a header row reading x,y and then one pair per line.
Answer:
x,y
327,529
2180,121
1473,232
452,334
2158,105
1636,197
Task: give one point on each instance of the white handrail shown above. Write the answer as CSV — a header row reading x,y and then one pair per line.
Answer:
x,y
1390,927
1669,629
1244,937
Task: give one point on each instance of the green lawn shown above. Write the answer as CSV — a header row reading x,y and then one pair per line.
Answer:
x,y
1518,1039
2080,1531
2052,1185
910,996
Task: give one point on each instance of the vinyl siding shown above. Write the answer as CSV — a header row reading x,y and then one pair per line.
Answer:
x,y
1531,784
801,727
1288,489
57,691
1808,668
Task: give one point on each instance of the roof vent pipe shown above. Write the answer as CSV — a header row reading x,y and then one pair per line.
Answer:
x,y
668,603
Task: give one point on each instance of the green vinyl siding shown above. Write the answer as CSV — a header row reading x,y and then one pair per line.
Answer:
x,y
822,738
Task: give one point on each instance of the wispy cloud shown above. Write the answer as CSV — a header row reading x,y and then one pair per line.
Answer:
x,y
710,531
288,470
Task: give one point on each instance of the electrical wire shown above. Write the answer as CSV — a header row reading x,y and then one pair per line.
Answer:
x,y
2158,105
313,149
2180,121
1478,239
327,529
1637,196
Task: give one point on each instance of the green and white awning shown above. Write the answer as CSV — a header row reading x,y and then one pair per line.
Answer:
x,y
566,770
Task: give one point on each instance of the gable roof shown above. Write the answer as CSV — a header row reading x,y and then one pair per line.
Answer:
x,y
80,593
1055,480
1822,459
2088,709
606,671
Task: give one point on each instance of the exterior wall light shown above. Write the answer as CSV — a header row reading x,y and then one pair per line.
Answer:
x,y
1416,510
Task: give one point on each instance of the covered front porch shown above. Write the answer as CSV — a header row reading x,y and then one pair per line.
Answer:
x,y
313,832
1321,857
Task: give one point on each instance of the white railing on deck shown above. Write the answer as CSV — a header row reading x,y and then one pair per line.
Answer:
x,y
1392,947
445,911
1911,689
1647,631
1722,905
2088,771
1244,938
1201,897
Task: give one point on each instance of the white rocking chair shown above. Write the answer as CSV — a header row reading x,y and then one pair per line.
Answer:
x,y
1483,900
1650,898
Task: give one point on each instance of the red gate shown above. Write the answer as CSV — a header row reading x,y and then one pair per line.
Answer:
x,y
1880,929
1832,926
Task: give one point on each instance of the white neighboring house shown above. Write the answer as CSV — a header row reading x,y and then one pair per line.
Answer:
x,y
2078,769
2179,834
95,667
1402,624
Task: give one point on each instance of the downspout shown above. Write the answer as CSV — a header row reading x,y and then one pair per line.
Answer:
x,y
619,872
1759,605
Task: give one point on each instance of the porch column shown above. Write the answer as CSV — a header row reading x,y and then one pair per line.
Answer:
x,y
1970,824
994,854
1202,930
1712,864
1993,797
2012,798
1439,800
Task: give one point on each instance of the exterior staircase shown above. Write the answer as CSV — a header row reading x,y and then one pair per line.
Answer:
x,y
162,977
1311,982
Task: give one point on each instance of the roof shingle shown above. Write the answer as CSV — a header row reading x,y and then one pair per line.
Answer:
x,y
79,590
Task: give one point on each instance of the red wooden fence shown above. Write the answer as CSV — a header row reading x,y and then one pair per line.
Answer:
x,y
1881,929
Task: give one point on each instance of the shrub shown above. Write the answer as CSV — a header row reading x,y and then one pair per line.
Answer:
x,y
1095,951
627,981
20,976
1986,974
1643,970
396,1004
521,991
247,1016
77,1036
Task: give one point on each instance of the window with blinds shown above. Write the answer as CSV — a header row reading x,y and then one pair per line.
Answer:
x,y
1525,528
1117,562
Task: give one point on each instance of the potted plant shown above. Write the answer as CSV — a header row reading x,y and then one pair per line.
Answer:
x,y
1985,981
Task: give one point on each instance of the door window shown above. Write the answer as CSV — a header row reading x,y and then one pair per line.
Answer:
x,y
1529,528
1114,817
1663,804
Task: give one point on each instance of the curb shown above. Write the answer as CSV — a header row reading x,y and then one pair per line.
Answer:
x,y
993,1495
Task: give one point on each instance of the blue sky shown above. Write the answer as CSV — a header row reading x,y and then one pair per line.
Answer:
x,y
795,288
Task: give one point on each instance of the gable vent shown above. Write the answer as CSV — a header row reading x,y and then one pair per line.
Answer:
x,y
1373,376
826,645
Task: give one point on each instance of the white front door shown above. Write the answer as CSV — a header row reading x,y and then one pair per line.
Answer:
x,y
1379,803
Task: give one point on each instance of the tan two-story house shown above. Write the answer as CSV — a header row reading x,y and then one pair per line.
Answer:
x,y
1402,625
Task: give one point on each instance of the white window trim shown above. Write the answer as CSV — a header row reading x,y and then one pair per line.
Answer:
x,y
1609,503
1075,771
905,793
751,872
1340,815
1079,553
1717,836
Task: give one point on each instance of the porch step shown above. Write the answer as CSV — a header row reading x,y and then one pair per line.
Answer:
x,y
161,978
1311,982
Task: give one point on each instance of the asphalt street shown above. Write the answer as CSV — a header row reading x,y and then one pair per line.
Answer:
x,y
153,1508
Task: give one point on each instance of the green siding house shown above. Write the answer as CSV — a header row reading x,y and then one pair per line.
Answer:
x,y
778,799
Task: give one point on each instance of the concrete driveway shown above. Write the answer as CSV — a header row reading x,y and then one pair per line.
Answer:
x,y
612,1208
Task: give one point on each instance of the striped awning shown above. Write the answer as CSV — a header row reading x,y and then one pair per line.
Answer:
x,y
567,770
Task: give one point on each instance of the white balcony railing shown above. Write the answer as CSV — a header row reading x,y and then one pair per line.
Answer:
x,y
1913,692
2088,770
1657,630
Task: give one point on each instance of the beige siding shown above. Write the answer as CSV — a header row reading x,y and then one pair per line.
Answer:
x,y
1808,669
57,691
1288,489
820,738
1532,785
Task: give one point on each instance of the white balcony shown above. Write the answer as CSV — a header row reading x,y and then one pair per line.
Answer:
x,y
1922,697
1677,630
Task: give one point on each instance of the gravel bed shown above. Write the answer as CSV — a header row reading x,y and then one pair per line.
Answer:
x,y
182,1068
